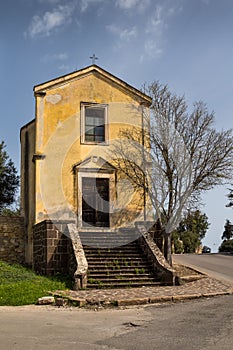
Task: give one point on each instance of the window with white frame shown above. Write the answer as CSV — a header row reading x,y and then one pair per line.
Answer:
x,y
94,123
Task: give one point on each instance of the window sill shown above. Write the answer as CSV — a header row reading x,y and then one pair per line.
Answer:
x,y
94,143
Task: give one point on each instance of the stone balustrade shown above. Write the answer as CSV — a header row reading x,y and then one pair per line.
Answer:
x,y
80,274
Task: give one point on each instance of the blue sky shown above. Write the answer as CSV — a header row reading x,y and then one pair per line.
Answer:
x,y
184,43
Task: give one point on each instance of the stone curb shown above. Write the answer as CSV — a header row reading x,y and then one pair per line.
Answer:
x,y
81,302
129,302
159,299
164,299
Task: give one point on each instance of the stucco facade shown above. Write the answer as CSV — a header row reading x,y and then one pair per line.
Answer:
x,y
68,145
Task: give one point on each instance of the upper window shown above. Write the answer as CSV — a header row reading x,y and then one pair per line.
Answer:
x,y
94,117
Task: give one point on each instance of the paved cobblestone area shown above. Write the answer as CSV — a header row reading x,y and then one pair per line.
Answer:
x,y
204,287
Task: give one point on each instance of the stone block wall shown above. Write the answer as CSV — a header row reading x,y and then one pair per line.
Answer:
x,y
12,239
51,248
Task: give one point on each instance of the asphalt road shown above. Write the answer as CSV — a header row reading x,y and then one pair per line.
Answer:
x,y
205,324
216,265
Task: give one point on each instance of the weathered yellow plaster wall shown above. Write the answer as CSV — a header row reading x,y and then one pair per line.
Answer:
x,y
27,205
58,137
64,101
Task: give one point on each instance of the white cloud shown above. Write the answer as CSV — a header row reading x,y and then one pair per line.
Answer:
x,y
49,1
125,34
127,4
133,4
156,21
54,57
65,68
58,59
155,30
50,21
159,19
152,49
84,4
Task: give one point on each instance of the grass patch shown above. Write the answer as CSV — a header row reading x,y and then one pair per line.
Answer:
x,y
21,286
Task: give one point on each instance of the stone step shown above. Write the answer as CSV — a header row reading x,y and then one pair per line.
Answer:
x,y
124,249
128,284
120,279
116,267
109,236
123,264
112,255
103,240
108,239
115,260
104,269
98,252
132,276
104,245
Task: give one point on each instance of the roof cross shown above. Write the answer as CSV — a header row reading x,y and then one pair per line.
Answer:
x,y
93,58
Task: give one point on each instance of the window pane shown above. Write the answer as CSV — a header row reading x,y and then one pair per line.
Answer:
x,y
94,112
89,138
99,138
90,120
90,131
99,130
98,121
94,124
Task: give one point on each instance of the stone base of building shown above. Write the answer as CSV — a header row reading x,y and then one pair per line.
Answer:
x,y
52,250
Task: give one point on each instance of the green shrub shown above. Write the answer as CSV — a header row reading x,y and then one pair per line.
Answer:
x,y
226,246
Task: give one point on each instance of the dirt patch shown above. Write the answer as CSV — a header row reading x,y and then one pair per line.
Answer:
x,y
183,271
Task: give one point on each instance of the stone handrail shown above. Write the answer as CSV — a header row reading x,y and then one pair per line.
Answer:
x,y
80,275
154,254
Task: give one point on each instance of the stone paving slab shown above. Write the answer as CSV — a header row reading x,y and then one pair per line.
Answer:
x,y
204,287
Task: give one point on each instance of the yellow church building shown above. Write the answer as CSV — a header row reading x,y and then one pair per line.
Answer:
x,y
68,173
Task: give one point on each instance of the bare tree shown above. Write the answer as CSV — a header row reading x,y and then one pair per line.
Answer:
x,y
175,158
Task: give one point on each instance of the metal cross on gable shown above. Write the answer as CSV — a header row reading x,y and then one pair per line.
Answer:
x,y
93,58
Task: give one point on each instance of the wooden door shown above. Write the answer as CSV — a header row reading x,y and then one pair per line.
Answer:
x,y
95,202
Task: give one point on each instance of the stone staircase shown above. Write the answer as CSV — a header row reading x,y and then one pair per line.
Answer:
x,y
121,266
